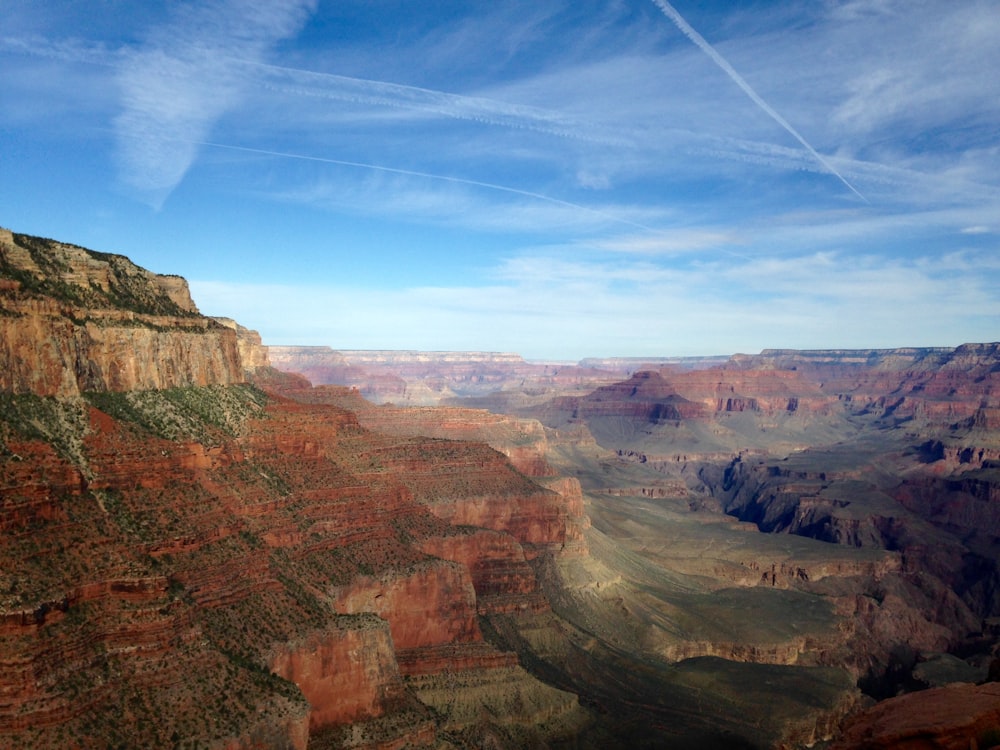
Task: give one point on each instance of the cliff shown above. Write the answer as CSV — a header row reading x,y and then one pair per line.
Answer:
x,y
282,552
74,320
188,558
253,354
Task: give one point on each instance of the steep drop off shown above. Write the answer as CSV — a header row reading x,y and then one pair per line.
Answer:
x,y
187,559
845,500
75,320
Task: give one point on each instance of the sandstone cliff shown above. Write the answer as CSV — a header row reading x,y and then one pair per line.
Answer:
x,y
74,320
253,353
186,558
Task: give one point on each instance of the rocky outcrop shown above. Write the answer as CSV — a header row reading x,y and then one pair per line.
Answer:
x,y
348,673
432,603
253,353
956,717
287,560
73,320
502,578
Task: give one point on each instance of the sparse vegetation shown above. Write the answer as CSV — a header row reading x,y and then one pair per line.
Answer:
x,y
130,287
192,413
62,423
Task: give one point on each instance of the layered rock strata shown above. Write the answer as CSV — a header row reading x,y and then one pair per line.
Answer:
x,y
215,565
433,378
289,560
74,320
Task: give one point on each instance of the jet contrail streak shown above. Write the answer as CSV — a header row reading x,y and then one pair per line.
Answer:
x,y
431,176
458,180
457,106
708,49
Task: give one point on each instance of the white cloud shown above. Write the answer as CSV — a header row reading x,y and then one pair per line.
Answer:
x,y
673,241
549,307
182,80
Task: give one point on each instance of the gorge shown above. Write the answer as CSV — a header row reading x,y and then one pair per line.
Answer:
x,y
207,542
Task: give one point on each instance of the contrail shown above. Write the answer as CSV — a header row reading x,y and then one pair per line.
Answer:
x,y
314,84
456,106
447,178
708,49
431,176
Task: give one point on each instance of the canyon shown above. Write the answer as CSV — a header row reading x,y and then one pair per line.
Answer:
x,y
209,542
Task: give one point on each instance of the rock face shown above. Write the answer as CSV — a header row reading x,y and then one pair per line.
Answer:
x,y
956,717
347,674
253,353
73,320
287,559
185,557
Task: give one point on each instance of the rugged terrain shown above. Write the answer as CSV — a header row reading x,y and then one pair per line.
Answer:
x,y
197,550
845,498
213,563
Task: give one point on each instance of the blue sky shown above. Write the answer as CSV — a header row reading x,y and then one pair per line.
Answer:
x,y
558,179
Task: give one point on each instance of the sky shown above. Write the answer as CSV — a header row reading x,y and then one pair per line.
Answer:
x,y
559,179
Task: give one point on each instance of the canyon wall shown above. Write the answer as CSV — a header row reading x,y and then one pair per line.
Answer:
x,y
73,320
186,557
433,378
294,559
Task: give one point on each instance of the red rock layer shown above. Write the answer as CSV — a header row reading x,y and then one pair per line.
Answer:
x,y
501,576
171,573
957,717
347,674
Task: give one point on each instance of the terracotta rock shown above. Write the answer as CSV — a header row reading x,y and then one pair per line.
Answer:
x,y
956,717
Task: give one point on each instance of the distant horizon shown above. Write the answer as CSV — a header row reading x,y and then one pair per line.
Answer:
x,y
554,179
652,359
539,359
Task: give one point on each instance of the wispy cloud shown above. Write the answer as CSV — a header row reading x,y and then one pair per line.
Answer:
x,y
672,241
179,82
545,306
603,215
313,84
